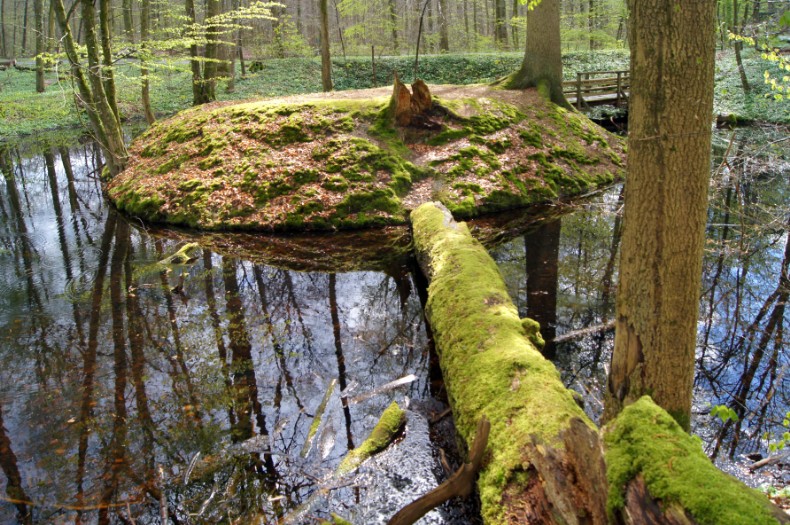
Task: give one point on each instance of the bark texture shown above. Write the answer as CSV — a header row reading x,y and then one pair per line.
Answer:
x,y
326,60
672,52
542,66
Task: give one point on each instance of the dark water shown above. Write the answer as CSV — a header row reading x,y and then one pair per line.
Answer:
x,y
563,271
131,388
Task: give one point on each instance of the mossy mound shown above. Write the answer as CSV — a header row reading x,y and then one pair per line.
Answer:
x,y
324,162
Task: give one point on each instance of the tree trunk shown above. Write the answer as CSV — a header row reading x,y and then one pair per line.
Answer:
x,y
38,14
545,463
542,65
128,21
145,17
672,56
500,26
394,23
3,48
198,92
738,29
91,90
444,38
326,59
211,54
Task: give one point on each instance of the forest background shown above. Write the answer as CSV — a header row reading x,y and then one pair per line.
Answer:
x,y
267,49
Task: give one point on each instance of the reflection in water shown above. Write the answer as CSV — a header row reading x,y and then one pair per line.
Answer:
x,y
742,359
134,390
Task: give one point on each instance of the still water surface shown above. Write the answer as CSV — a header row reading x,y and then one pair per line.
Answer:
x,y
131,388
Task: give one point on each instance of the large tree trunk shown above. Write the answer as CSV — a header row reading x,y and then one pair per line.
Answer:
x,y
672,53
542,66
326,59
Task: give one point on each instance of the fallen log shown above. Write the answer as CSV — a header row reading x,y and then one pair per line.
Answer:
x,y
545,462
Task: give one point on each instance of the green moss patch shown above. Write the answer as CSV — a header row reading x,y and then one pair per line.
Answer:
x,y
386,430
322,162
645,440
489,361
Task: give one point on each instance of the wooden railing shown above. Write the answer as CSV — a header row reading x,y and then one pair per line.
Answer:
x,y
598,87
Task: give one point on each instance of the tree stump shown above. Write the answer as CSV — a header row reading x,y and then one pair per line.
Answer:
x,y
411,108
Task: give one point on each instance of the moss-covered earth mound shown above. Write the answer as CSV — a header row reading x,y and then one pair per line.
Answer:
x,y
322,162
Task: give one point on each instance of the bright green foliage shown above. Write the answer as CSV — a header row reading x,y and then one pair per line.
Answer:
x,y
724,413
389,426
644,440
490,367
775,445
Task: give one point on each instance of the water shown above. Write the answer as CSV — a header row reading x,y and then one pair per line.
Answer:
x,y
132,388
562,270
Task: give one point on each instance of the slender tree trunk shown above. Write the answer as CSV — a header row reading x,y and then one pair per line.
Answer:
x,y
24,30
394,22
465,9
38,14
500,25
198,95
108,69
211,67
514,27
326,59
738,29
145,17
444,38
128,21
672,56
278,12
92,96
3,48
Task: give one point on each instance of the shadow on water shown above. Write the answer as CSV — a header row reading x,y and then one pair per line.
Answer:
x,y
225,388
566,264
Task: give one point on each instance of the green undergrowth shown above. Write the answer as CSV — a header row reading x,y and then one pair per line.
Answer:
x,y
489,364
645,440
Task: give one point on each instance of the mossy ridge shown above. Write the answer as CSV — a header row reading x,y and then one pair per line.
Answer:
x,y
489,365
254,146
646,440
255,158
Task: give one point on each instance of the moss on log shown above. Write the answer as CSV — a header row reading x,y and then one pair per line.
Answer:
x,y
649,457
546,462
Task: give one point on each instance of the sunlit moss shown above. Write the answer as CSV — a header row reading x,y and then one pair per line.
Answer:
x,y
489,364
389,426
645,440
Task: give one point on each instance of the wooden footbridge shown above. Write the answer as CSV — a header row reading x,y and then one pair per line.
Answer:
x,y
598,87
